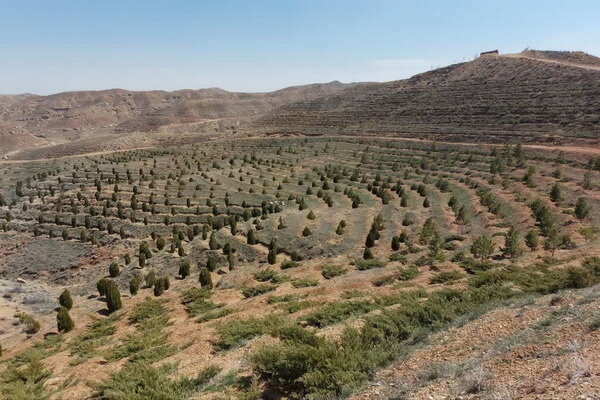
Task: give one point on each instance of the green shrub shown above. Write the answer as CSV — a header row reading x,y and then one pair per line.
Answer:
x,y
316,367
195,301
236,332
272,256
384,280
159,287
290,264
205,278
595,323
150,279
63,320
305,282
113,297
331,271
85,345
32,325
25,382
134,285
408,273
65,299
472,265
147,309
141,381
211,263
184,269
334,312
294,306
257,290
212,315
101,286
398,257
114,270
265,275
149,342
194,294
362,265
282,299
482,247
446,277
592,264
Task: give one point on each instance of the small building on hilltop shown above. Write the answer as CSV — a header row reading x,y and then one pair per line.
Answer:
x,y
489,53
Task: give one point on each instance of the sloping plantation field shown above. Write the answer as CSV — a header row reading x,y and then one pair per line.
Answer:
x,y
280,267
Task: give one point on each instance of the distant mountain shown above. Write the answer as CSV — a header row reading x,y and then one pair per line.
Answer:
x,y
29,120
540,96
534,95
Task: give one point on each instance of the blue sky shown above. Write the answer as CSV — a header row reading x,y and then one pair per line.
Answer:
x,y
53,46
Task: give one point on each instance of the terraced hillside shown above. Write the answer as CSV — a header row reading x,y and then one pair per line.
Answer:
x,y
536,96
301,268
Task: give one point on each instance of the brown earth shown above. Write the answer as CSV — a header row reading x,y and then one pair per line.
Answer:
x,y
541,349
28,121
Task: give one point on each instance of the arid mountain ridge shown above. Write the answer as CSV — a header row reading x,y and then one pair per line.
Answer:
x,y
29,120
541,96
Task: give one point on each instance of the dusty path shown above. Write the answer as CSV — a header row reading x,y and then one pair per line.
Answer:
x,y
592,150
566,63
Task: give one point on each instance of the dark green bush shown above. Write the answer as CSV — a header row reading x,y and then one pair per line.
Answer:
x,y
140,381
147,309
446,277
334,312
65,299
205,278
63,320
331,271
257,290
113,297
362,265
289,264
114,270
184,269
305,282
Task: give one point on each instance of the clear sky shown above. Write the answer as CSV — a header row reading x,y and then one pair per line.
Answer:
x,y
260,45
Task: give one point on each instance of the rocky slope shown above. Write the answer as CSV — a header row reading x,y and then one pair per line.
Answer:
x,y
536,95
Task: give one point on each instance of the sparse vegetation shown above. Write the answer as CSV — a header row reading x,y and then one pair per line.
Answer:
x,y
435,233
331,271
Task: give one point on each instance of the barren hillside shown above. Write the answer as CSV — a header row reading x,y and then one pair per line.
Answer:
x,y
29,120
541,95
